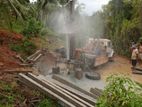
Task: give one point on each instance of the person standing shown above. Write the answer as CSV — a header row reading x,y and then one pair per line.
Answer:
x,y
140,51
134,56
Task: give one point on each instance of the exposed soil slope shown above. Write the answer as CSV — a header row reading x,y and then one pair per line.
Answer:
x,y
7,56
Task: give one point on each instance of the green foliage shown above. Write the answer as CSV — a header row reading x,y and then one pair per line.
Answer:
x,y
123,23
121,92
32,28
18,26
26,47
45,103
63,1
48,103
47,32
11,95
14,10
6,105
15,47
6,88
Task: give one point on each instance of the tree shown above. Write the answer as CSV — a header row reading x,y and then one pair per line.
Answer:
x,y
123,23
46,7
13,9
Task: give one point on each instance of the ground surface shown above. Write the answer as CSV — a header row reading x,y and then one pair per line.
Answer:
x,y
120,65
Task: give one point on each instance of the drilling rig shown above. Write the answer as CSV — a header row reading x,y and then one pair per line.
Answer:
x,y
86,62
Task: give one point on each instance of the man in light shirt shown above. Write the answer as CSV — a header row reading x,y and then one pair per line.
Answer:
x,y
134,56
140,51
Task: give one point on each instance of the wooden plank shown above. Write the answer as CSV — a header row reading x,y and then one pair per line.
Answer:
x,y
36,58
72,95
56,77
20,58
63,90
31,83
33,55
59,92
85,97
17,70
139,69
99,90
26,64
96,92
137,72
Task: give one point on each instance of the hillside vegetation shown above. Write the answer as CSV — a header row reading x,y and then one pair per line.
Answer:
x,y
123,23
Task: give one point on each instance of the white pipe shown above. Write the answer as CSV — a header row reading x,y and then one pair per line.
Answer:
x,y
68,47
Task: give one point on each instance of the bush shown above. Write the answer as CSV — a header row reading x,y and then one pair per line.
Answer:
x,y
47,31
33,28
121,92
16,47
26,47
46,103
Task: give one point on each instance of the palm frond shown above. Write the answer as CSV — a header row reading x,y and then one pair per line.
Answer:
x,y
15,9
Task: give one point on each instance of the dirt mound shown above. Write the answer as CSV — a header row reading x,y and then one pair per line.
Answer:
x,y
7,37
7,56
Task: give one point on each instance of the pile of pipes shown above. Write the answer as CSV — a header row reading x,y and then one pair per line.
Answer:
x,y
64,92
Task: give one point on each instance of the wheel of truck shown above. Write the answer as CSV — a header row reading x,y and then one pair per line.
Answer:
x,y
111,59
93,76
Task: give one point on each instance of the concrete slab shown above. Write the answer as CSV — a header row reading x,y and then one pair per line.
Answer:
x,y
83,83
